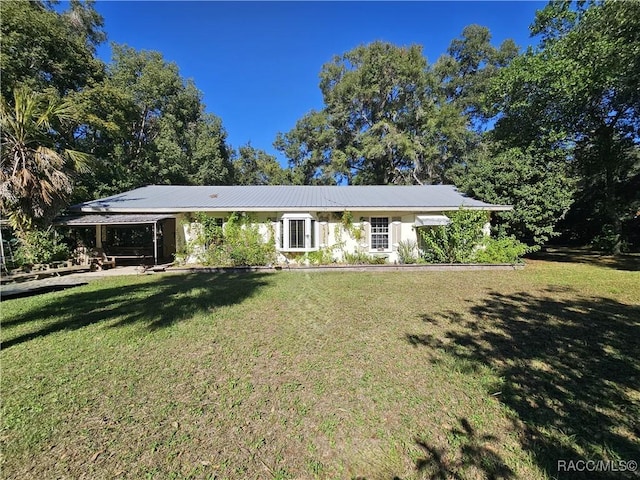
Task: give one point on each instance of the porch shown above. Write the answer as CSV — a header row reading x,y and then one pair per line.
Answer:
x,y
128,239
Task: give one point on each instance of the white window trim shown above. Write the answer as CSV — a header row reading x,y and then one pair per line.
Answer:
x,y
389,246
284,235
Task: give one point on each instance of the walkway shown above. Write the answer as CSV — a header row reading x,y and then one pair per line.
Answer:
x,y
52,284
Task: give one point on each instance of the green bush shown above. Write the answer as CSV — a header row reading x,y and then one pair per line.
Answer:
x,y
455,242
501,250
239,243
41,246
407,252
609,240
362,258
323,256
211,233
377,260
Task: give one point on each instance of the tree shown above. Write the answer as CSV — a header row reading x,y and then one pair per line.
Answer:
x,y
210,154
256,167
391,118
468,68
580,88
536,182
384,121
42,48
36,173
146,125
310,148
372,95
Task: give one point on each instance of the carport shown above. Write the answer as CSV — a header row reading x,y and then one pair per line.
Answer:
x,y
163,228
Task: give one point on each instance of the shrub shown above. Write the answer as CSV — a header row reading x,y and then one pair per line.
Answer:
x,y
40,246
609,240
407,252
239,243
501,250
323,256
362,258
456,242
356,258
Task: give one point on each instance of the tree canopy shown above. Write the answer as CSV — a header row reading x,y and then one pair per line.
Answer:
x,y
385,121
146,125
577,94
253,166
45,49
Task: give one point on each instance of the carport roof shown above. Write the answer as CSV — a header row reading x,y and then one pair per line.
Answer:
x,y
89,220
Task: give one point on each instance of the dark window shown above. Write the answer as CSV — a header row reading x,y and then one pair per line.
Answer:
x,y
281,233
296,234
379,233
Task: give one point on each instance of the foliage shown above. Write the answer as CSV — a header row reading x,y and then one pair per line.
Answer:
x,y
348,226
308,147
464,241
42,48
40,246
36,172
580,89
210,232
255,167
146,125
535,181
468,68
389,117
382,122
407,252
362,258
608,240
500,250
322,256
239,243
455,242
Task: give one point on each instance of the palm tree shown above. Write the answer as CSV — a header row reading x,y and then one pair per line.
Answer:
x,y
35,172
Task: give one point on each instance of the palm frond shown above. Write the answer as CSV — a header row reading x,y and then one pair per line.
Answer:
x,y
35,173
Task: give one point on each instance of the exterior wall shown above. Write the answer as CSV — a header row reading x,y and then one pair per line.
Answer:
x,y
329,232
401,228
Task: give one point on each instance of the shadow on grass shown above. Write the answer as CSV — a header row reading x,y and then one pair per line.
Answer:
x,y
475,457
569,366
156,304
630,262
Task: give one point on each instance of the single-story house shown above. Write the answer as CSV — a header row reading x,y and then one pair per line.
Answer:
x,y
369,219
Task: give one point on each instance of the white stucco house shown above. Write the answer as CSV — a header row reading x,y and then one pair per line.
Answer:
x,y
369,219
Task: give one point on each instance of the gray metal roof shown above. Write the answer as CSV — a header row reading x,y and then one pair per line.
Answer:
x,y
176,198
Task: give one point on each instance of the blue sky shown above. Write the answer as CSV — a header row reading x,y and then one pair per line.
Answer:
x,y
257,63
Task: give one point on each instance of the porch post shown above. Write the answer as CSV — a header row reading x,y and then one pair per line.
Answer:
x,y
4,263
155,242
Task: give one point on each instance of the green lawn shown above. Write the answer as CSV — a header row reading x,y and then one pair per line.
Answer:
x,y
488,374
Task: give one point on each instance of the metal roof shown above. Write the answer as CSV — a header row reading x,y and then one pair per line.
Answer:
x,y
176,198
89,220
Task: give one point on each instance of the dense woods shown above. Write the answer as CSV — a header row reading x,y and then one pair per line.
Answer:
x,y
554,130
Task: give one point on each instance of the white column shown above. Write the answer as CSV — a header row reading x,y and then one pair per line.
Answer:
x,y
155,243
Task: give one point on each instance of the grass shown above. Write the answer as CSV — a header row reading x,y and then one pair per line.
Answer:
x,y
487,374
